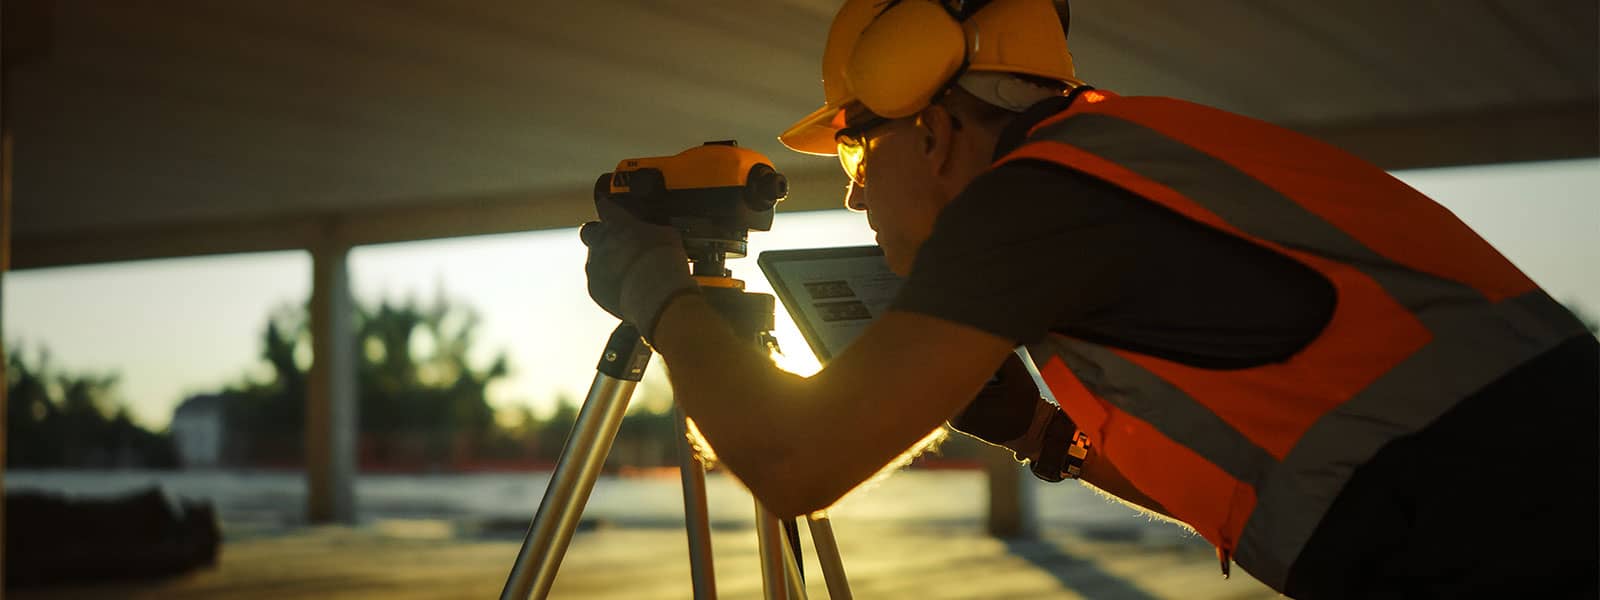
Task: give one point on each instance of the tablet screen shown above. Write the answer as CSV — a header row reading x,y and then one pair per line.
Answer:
x,y
832,293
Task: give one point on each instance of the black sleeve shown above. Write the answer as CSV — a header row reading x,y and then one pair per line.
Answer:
x,y
1032,247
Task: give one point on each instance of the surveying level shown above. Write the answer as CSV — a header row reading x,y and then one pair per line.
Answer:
x,y
713,194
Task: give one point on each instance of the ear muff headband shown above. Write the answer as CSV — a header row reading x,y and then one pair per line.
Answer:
x,y
912,51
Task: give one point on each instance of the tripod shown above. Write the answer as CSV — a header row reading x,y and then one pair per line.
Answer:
x,y
622,365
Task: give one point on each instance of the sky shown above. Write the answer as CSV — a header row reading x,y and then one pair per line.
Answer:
x,y
175,327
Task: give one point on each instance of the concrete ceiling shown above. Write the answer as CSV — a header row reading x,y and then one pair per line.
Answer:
x,y
176,127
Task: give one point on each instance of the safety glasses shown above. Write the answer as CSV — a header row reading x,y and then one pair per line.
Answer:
x,y
852,147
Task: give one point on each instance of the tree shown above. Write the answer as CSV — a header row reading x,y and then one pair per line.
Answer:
x,y
420,395
59,419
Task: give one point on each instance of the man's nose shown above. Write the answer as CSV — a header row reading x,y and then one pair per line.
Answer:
x,y
855,198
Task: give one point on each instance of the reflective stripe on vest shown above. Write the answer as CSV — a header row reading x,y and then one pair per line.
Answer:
x,y
1434,339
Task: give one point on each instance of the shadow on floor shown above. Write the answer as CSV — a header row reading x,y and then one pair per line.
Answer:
x,y
1075,573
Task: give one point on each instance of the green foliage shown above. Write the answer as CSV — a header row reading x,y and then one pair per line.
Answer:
x,y
420,397
551,434
56,419
404,390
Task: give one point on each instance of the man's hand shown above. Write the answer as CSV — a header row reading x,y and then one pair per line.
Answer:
x,y
634,268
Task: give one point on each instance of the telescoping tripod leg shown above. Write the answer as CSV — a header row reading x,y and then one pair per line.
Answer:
x,y
621,366
770,543
696,520
828,557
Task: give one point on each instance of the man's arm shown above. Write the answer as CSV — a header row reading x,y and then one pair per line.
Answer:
x,y
799,443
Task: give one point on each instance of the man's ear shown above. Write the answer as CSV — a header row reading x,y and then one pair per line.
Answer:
x,y
938,141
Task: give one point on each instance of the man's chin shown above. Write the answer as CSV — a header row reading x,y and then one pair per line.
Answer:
x,y
900,266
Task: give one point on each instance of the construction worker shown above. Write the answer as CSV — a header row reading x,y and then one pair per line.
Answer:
x,y
1317,368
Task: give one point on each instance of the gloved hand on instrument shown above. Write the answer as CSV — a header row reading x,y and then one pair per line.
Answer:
x,y
635,268
1009,412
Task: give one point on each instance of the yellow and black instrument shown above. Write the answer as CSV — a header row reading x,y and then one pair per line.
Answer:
x,y
714,194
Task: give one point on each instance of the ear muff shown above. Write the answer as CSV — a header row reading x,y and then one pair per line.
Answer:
x,y
908,54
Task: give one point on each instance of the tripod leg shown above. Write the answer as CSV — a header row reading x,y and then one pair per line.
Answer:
x,y
696,520
791,533
621,366
828,557
769,540
792,574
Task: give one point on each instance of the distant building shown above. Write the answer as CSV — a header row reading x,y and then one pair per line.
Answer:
x,y
197,429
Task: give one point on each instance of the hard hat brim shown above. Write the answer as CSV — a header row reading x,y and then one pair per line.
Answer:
x,y
815,133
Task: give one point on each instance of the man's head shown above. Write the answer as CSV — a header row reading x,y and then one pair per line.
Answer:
x,y
917,93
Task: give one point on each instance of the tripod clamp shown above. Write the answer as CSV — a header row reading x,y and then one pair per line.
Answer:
x,y
626,355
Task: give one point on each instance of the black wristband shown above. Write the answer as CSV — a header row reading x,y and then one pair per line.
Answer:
x,y
1059,455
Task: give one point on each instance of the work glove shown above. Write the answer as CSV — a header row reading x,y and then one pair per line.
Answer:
x,y
1009,412
635,268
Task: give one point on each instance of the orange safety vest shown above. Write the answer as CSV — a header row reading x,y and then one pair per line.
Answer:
x,y
1427,313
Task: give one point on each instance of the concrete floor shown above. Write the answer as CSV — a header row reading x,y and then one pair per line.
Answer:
x,y
406,559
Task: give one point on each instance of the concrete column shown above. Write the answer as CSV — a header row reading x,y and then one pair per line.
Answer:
x,y
1011,504
331,392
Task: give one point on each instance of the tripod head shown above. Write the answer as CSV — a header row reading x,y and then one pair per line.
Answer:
x,y
714,194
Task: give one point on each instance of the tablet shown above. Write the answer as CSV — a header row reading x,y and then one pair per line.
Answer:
x,y
832,293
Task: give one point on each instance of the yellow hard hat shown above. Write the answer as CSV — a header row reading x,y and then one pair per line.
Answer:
x,y
893,57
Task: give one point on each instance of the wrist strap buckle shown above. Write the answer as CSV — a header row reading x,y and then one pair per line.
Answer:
x,y
1063,451
1076,454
